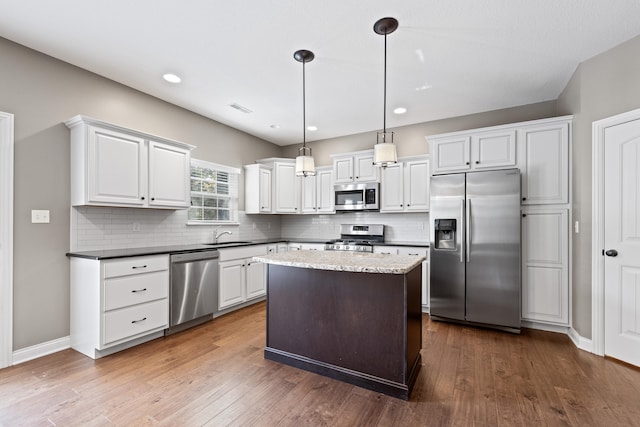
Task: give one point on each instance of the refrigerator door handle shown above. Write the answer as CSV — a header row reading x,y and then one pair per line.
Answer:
x,y
461,239
468,231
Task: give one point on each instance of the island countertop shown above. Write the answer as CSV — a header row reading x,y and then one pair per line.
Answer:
x,y
345,261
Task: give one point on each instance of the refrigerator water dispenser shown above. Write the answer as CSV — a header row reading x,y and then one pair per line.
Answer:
x,y
445,233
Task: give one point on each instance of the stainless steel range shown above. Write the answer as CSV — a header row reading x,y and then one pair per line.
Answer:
x,y
357,238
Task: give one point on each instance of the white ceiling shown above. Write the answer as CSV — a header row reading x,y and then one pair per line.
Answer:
x,y
447,58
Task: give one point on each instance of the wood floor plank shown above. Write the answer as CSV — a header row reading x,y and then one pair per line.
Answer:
x,y
215,374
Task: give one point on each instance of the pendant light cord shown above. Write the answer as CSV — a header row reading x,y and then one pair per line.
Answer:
x,y
304,112
384,108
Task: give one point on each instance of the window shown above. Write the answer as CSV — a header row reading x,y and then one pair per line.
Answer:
x,y
214,193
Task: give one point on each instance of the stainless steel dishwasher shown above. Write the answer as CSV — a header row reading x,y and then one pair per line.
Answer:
x,y
194,289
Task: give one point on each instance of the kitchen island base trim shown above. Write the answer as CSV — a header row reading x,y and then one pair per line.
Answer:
x,y
356,378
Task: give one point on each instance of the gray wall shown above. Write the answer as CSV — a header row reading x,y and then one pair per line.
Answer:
x,y
410,140
42,92
603,86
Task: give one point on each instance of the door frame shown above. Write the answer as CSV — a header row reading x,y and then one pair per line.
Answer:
x,y
6,238
597,225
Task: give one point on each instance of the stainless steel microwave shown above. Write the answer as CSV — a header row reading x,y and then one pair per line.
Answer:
x,y
357,197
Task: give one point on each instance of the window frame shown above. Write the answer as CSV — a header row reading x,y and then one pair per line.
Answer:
x,y
234,174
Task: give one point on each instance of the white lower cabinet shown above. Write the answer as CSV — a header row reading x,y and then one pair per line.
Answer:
x,y
117,303
240,278
545,266
411,250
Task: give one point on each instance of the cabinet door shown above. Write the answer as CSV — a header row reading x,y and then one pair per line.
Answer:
x,y
364,169
265,190
492,150
543,153
256,279
405,250
392,189
545,261
116,170
343,170
416,185
286,188
324,191
169,175
450,154
231,283
309,195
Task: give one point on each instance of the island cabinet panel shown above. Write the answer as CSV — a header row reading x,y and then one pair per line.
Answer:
x,y
361,328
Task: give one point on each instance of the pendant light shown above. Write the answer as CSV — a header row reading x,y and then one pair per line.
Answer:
x,y
384,152
305,165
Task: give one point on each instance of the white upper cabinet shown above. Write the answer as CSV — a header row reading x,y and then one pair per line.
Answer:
x,y
539,148
450,154
405,186
355,167
491,150
286,188
473,151
544,163
317,192
114,166
168,165
257,189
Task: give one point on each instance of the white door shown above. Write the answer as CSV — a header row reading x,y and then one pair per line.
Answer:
x,y
6,238
622,241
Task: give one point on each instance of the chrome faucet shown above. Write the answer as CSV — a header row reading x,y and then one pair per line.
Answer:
x,y
216,236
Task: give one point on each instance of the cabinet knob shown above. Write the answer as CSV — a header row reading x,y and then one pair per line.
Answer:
x,y
524,215
467,162
350,177
477,162
524,198
142,198
153,198
408,204
400,204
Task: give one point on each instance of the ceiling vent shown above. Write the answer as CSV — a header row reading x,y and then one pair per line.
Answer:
x,y
240,108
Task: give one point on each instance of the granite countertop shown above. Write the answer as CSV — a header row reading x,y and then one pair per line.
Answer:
x,y
345,261
199,247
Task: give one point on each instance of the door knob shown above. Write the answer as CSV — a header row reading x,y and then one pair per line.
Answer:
x,y
611,252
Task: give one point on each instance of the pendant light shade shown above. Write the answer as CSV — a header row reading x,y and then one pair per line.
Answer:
x,y
305,166
384,152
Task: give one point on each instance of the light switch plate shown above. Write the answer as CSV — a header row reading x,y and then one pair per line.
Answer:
x,y
40,217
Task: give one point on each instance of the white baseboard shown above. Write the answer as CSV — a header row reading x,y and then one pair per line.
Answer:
x,y
580,342
42,349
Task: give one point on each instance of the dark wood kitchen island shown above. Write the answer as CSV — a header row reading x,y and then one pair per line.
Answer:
x,y
350,316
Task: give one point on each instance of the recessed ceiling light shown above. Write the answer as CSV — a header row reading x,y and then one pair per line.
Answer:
x,y
312,128
423,87
172,78
400,110
275,126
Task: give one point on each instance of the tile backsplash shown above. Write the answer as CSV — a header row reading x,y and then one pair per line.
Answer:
x,y
98,228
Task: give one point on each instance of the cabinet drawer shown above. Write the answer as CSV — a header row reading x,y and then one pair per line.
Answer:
x,y
405,250
137,265
130,290
134,321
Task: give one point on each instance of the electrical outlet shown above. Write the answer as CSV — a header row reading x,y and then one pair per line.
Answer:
x,y
576,226
136,226
40,217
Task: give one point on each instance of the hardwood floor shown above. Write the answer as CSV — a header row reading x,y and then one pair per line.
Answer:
x,y
215,375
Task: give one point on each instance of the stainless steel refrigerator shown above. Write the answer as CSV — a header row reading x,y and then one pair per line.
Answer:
x,y
475,248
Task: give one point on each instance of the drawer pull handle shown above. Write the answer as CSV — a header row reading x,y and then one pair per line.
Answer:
x,y
138,290
139,266
414,254
138,321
